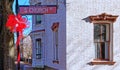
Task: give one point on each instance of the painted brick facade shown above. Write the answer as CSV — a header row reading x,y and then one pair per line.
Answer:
x,y
45,33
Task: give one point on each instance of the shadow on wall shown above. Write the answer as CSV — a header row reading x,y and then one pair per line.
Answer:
x,y
87,19
89,63
45,68
49,68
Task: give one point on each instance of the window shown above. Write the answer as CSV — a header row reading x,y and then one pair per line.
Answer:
x,y
55,47
38,19
38,49
103,38
55,42
102,41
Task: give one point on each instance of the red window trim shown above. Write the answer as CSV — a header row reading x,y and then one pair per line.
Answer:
x,y
103,18
55,26
102,63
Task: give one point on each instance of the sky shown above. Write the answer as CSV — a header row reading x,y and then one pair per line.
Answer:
x,y
29,17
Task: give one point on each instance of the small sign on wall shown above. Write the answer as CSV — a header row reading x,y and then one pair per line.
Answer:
x,y
42,9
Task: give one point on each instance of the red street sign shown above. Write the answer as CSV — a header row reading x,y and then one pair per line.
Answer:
x,y
42,9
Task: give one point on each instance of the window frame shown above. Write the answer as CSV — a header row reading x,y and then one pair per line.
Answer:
x,y
38,48
55,47
40,21
109,19
54,28
109,41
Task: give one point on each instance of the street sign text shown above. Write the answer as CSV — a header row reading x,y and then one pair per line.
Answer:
x,y
30,10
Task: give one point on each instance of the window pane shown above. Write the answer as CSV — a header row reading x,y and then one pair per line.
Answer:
x,y
55,45
107,32
97,50
97,32
103,32
103,50
38,19
38,48
106,50
56,38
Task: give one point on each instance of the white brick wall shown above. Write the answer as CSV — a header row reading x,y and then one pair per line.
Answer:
x,y
80,48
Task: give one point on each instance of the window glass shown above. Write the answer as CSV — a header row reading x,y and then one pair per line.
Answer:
x,y
55,38
101,39
38,19
38,49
